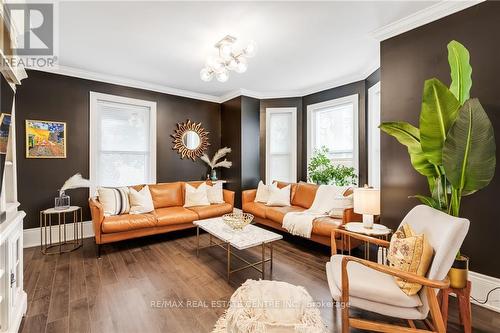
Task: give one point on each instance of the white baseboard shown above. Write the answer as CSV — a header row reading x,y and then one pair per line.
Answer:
x,y
32,236
481,284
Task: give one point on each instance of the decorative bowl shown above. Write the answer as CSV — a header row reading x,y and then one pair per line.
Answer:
x,y
237,221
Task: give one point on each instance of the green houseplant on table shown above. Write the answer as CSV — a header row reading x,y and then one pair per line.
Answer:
x,y
454,146
322,171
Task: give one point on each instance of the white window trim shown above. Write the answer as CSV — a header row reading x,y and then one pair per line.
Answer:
x,y
354,99
269,112
94,98
372,91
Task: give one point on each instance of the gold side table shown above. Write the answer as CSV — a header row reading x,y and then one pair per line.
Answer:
x,y
59,243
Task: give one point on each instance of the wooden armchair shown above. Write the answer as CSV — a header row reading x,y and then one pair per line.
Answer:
x,y
370,286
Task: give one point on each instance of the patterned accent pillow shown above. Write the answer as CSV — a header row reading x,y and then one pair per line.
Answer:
x,y
115,200
409,253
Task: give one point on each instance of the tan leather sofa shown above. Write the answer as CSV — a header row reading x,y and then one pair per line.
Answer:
x,y
302,197
169,214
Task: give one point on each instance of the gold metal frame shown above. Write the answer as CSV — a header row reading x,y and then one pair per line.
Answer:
x,y
179,133
44,121
227,246
62,245
2,116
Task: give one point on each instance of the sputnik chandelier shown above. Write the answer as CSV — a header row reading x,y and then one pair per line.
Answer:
x,y
230,58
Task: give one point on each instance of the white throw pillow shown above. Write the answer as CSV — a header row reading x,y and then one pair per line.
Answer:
x,y
196,196
215,193
141,201
279,196
114,201
341,203
263,192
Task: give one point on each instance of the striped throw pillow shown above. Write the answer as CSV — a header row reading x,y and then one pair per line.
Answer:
x,y
114,201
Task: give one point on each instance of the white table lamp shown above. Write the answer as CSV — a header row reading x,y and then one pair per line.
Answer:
x,y
367,202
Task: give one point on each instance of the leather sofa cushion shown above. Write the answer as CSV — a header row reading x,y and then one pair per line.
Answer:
x,y
174,215
127,222
167,194
205,212
324,225
257,209
304,195
277,214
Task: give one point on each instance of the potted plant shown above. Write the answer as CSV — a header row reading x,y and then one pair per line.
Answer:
x,y
322,171
454,145
216,163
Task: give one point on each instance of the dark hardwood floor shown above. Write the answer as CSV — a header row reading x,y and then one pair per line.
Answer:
x,y
157,284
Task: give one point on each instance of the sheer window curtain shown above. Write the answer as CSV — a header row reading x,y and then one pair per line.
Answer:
x,y
123,141
281,144
334,124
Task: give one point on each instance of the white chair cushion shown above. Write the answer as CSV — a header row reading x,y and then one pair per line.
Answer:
x,y
384,309
371,285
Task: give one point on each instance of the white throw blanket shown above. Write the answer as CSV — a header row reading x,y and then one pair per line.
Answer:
x,y
301,223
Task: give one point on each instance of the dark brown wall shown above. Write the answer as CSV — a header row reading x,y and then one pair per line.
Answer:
x,y
54,97
294,102
231,137
240,131
406,62
250,130
338,92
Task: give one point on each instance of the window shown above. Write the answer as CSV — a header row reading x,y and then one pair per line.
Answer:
x,y
374,136
334,124
122,141
281,144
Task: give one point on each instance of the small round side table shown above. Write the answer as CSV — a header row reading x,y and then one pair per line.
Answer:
x,y
59,243
378,231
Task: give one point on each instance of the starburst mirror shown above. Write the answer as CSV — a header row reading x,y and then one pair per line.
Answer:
x,y
190,139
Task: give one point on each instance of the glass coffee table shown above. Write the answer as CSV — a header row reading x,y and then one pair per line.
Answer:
x,y
250,236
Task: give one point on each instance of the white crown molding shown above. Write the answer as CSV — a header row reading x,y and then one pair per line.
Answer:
x,y
112,79
301,93
424,16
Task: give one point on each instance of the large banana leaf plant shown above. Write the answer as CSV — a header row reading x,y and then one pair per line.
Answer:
x,y
454,146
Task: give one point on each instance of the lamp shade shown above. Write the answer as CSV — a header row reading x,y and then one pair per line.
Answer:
x,y
367,201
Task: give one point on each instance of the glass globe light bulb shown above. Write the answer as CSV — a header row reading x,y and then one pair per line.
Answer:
x,y
222,76
215,63
242,66
206,74
226,50
233,64
251,49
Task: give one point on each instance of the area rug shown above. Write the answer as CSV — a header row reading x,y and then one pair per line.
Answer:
x,y
270,307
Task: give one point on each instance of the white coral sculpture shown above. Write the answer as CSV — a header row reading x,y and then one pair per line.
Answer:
x,y
215,163
75,181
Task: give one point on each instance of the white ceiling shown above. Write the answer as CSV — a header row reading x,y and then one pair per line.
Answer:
x,y
301,45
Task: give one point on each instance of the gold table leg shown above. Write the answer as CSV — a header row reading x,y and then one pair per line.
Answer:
x,y
271,254
228,261
197,241
263,261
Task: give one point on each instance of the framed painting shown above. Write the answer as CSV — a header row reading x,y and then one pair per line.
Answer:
x,y
45,139
5,120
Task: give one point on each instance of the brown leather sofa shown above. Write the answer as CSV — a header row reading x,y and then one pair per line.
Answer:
x,y
169,214
302,197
